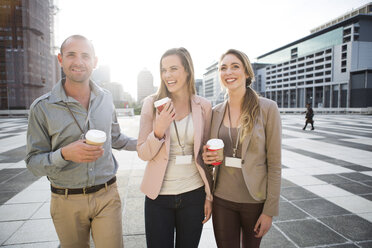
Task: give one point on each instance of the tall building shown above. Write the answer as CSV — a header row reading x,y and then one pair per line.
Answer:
x,y
330,68
199,87
145,84
257,84
27,66
117,92
101,75
212,87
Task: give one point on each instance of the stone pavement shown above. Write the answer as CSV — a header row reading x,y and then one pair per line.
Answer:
x,y
326,196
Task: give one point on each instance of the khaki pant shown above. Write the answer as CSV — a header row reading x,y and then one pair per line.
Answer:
x,y
74,216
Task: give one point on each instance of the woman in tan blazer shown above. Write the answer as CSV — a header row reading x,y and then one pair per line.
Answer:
x,y
176,182
247,184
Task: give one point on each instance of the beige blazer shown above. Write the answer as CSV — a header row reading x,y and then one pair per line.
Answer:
x,y
156,152
261,154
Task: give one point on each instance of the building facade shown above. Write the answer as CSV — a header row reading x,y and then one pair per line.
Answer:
x,y
145,85
101,75
330,68
199,87
212,86
27,63
117,92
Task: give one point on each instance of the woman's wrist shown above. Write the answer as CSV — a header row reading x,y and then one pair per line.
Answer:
x,y
159,136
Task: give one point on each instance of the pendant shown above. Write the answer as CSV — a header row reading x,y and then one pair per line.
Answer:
x,y
234,152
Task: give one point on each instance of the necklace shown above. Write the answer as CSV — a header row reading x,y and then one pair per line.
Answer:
x,y
235,148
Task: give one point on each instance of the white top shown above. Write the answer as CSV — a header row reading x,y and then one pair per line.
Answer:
x,y
181,178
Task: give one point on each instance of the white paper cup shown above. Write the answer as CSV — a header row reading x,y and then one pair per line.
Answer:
x,y
159,104
216,145
95,137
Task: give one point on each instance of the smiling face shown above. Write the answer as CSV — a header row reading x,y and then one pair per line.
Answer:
x,y
173,74
232,73
77,60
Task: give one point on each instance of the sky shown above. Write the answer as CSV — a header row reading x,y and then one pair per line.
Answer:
x,y
130,35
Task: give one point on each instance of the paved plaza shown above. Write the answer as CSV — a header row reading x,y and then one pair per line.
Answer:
x,y
326,195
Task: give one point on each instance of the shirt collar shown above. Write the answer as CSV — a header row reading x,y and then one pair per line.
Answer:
x,y
58,93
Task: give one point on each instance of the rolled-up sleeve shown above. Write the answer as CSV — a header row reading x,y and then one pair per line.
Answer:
x,y
119,140
40,159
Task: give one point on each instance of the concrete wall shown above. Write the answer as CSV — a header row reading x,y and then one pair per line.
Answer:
x,y
338,76
212,75
361,57
365,30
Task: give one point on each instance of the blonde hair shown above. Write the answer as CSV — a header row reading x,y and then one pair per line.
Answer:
x,y
187,64
250,104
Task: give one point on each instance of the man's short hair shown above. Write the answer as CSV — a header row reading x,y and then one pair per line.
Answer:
x,y
77,37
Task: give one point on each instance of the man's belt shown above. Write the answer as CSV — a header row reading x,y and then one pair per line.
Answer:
x,y
86,190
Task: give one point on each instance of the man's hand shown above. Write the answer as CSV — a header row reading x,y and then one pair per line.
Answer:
x,y
80,152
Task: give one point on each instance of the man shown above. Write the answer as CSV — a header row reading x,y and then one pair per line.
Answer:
x,y
82,176
309,116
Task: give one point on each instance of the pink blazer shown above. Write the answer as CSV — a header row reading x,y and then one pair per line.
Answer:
x,y
156,152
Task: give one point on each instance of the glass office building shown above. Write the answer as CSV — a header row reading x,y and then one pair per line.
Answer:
x,y
27,66
330,68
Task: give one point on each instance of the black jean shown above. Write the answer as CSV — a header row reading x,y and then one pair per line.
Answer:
x,y
309,121
181,213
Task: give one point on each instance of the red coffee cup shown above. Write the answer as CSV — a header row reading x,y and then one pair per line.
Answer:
x,y
159,104
216,145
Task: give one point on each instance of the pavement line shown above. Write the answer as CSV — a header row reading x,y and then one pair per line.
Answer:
x,y
364,141
11,143
348,154
349,201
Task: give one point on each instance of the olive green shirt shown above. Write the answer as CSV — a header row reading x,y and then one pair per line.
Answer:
x,y
51,127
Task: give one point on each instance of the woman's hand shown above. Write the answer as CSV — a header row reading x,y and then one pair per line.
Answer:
x,y
209,157
207,210
263,225
164,119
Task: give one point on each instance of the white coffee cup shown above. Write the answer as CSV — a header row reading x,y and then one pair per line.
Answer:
x,y
216,145
95,137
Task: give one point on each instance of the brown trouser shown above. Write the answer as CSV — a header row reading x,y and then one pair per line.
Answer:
x,y
231,219
74,216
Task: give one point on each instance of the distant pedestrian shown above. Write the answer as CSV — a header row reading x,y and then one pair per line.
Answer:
x,y
84,198
176,182
309,116
246,187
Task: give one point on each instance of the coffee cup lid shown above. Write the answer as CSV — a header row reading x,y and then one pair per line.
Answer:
x,y
96,136
161,101
215,144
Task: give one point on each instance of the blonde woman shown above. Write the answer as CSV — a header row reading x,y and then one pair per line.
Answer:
x,y
247,184
176,182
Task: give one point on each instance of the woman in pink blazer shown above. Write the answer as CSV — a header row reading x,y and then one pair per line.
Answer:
x,y
176,182
247,184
